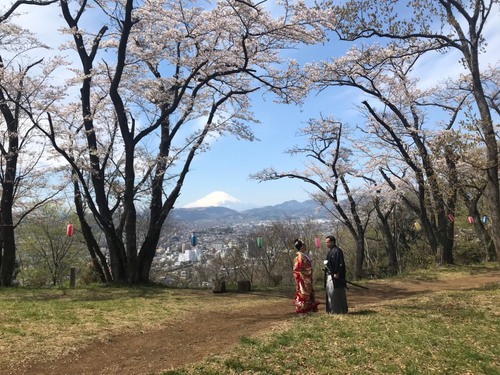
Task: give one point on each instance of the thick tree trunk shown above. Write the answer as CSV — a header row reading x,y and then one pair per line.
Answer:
x,y
131,241
118,260
494,205
471,53
390,239
390,247
98,258
445,231
146,256
8,261
360,257
7,236
10,157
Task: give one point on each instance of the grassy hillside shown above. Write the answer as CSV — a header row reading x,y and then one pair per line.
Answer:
x,y
440,332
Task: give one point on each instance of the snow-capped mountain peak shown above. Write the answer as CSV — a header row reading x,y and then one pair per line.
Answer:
x,y
217,199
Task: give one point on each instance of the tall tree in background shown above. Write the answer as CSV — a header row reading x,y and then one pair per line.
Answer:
x,y
157,82
469,178
22,99
436,26
397,124
333,173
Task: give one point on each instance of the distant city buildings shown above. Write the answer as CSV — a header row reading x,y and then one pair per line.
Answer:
x,y
176,257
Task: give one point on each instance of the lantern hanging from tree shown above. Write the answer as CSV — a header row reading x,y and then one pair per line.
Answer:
x,y
451,218
70,230
485,219
471,220
259,242
317,242
417,226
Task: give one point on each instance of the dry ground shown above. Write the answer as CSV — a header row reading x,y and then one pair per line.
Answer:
x,y
192,340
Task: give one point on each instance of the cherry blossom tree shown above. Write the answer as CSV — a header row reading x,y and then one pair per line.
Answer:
x,y
23,97
158,80
397,121
333,171
425,27
468,176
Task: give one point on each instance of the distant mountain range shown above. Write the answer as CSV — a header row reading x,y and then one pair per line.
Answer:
x,y
219,199
287,210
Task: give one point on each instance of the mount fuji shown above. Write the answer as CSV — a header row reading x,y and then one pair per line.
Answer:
x,y
223,209
219,199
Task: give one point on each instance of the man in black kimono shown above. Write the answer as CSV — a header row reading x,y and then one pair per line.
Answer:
x,y
336,298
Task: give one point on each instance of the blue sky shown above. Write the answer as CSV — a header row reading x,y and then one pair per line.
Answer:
x,y
229,163
227,166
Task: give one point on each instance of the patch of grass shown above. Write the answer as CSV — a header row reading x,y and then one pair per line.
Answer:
x,y
45,323
448,271
248,341
439,333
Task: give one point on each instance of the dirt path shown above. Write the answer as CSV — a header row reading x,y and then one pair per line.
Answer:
x,y
136,353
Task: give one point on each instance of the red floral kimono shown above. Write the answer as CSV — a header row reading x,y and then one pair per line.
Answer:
x,y
304,295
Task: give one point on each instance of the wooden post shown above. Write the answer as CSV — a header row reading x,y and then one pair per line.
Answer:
x,y
72,277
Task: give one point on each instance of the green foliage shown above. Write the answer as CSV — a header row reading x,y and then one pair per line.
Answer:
x,y
45,252
468,253
418,256
89,275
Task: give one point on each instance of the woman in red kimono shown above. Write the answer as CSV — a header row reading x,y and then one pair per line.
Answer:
x,y
303,272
